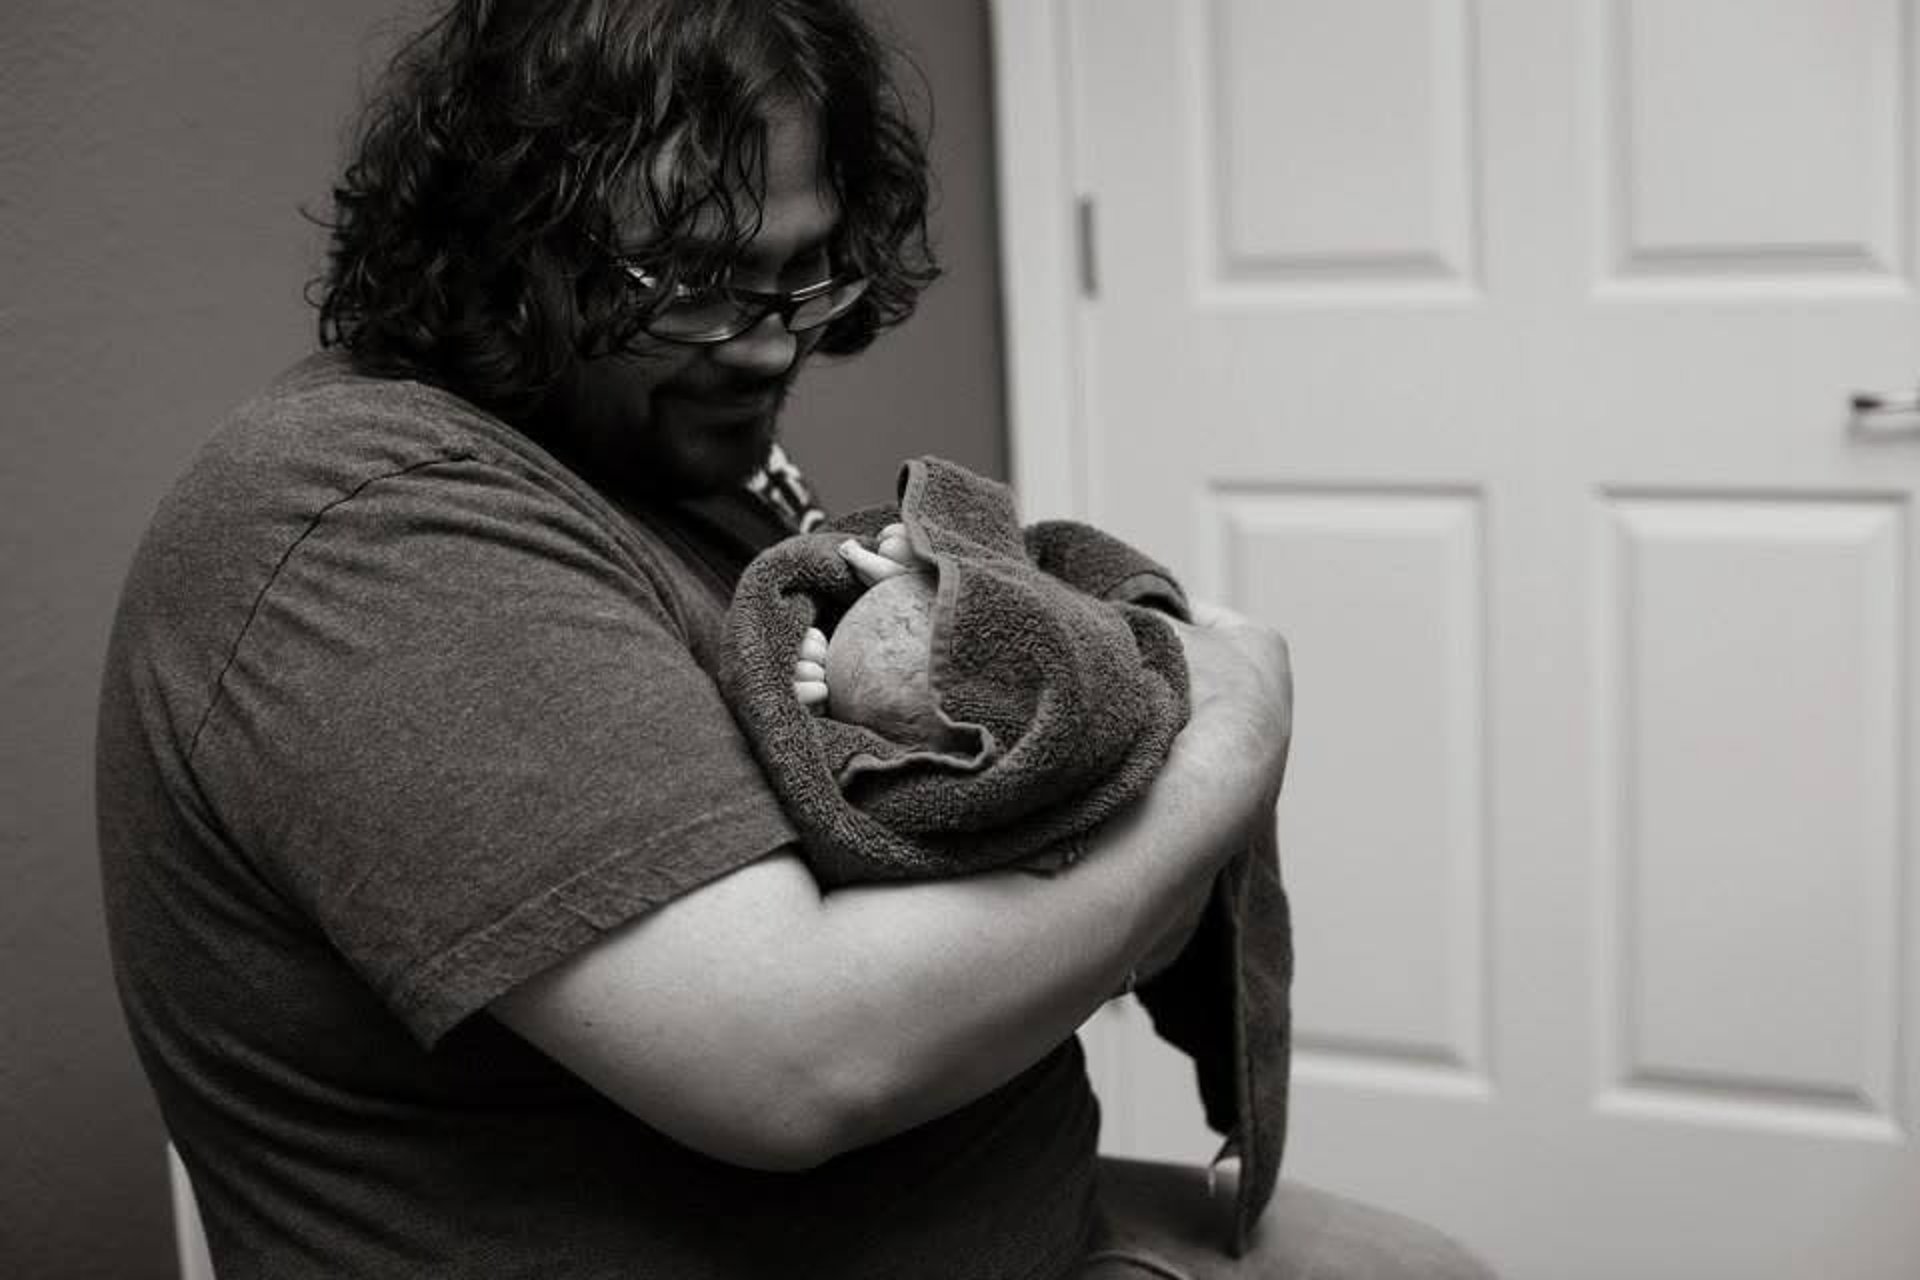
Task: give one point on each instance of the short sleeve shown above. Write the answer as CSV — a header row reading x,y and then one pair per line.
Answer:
x,y
464,733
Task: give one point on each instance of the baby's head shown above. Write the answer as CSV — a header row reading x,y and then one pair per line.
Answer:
x,y
878,658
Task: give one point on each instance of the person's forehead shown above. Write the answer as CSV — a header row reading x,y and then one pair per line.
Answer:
x,y
798,209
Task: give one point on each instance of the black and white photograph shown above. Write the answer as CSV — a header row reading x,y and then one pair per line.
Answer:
x,y
960,640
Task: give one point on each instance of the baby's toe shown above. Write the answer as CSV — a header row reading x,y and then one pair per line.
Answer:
x,y
869,566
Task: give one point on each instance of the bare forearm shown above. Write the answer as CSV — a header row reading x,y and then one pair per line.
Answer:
x,y
764,1023
944,989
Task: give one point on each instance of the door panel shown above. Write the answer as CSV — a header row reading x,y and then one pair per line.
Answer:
x,y
1777,998
1407,650
1499,352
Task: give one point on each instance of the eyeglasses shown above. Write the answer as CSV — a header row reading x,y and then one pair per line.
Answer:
x,y
720,312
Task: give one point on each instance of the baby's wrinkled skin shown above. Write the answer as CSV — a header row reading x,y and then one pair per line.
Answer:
x,y
873,671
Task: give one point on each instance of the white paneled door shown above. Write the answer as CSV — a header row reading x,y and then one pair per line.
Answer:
x,y
1501,352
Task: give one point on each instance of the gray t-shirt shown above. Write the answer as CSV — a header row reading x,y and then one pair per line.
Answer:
x,y
397,713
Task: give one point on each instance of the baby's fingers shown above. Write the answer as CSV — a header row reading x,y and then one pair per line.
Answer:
x,y
811,693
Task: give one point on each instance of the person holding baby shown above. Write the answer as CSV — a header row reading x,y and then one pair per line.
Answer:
x,y
455,924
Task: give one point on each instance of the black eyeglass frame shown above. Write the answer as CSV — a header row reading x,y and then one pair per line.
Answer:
x,y
752,305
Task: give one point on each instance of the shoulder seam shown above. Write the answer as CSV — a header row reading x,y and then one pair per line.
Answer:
x,y
259,599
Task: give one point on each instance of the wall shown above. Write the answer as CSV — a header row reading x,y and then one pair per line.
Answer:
x,y
152,160
936,385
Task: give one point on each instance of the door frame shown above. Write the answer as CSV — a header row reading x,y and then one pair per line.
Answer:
x,y
1041,291
1040,256
1044,289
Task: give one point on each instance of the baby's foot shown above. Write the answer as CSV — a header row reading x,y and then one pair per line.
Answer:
x,y
810,671
892,558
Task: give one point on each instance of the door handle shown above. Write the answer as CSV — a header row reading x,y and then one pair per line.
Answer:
x,y
1885,413
1873,402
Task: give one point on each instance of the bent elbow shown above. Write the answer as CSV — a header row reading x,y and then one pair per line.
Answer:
x,y
832,1105
787,1148
863,1098
793,1128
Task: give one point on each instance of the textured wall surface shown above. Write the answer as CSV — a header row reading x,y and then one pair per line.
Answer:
x,y
936,385
153,159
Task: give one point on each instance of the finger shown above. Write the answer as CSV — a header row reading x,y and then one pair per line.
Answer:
x,y
812,693
813,645
868,566
805,671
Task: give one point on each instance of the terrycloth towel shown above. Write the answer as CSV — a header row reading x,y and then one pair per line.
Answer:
x,y
1061,687
1060,707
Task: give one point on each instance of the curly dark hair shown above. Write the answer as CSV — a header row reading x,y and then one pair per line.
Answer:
x,y
471,229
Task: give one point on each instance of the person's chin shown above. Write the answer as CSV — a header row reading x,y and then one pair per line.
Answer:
x,y
717,457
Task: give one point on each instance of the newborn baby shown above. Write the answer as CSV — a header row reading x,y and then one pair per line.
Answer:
x,y
873,670
942,690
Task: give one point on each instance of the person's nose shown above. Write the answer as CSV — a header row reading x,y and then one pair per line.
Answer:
x,y
766,350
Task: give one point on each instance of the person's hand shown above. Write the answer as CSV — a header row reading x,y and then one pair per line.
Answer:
x,y
1240,684
810,671
1240,679
891,558
1174,939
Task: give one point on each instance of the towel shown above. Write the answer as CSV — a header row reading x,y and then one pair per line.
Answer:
x,y
1060,688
